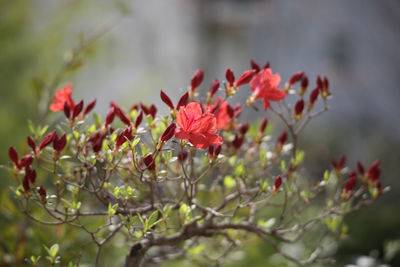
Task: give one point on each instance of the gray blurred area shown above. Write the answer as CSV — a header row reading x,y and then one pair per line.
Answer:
x,y
355,43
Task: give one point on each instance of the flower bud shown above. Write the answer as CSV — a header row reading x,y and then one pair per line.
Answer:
x,y
89,107
183,100
182,156
31,143
238,141
26,161
266,65
313,97
298,109
13,155
153,111
282,138
110,116
374,171
59,143
351,182
243,128
139,119
214,87
277,184
42,193
149,162
296,77
67,110
196,79
304,85
77,109
263,125
168,133
165,98
245,78
47,140
254,65
121,115
230,77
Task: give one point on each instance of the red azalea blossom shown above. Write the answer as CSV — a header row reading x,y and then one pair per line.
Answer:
x,y
63,95
221,110
264,85
200,129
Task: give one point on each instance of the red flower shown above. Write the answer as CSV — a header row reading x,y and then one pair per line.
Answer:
x,y
221,110
264,85
200,129
63,95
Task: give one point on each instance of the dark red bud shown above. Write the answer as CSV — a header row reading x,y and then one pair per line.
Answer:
x,y
245,78
149,162
374,171
379,186
183,100
254,65
165,98
30,175
278,182
296,77
196,79
121,115
89,107
168,133
42,192
25,183
77,109
282,138
342,161
134,107
13,155
304,82
230,111
266,65
67,110
217,150
238,141
153,111
320,84
263,125
110,116
360,168
314,95
145,109
182,155
351,182
237,110
47,140
230,77
31,143
243,128
59,143
214,87
299,107
326,83
210,150
139,119
26,161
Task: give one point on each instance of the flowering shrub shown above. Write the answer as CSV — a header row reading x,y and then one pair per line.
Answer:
x,y
199,175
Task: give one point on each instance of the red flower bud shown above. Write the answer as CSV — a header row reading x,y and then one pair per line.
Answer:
x,y
254,65
243,128
299,107
214,87
182,155
217,150
59,143
121,115
277,183
165,98
168,133
149,162
378,185
263,125
351,182
89,107
304,82
326,84
230,77
139,119
13,155
313,97
123,136
26,161
339,165
296,77
31,143
282,138
238,141
245,77
230,111
110,117
153,111
237,110
47,140
25,183
77,109
196,79
320,84
30,175
374,171
266,65
67,110
360,168
42,192
144,108
183,100
134,107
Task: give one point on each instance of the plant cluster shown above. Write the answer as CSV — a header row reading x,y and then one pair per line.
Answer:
x,y
196,181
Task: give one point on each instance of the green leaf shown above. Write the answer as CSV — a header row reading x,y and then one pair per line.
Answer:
x,y
229,182
240,170
135,142
97,119
326,175
153,218
197,249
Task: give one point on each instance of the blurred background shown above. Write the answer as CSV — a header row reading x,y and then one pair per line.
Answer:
x,y
132,50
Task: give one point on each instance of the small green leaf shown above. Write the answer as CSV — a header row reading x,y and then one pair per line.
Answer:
x,y
229,182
